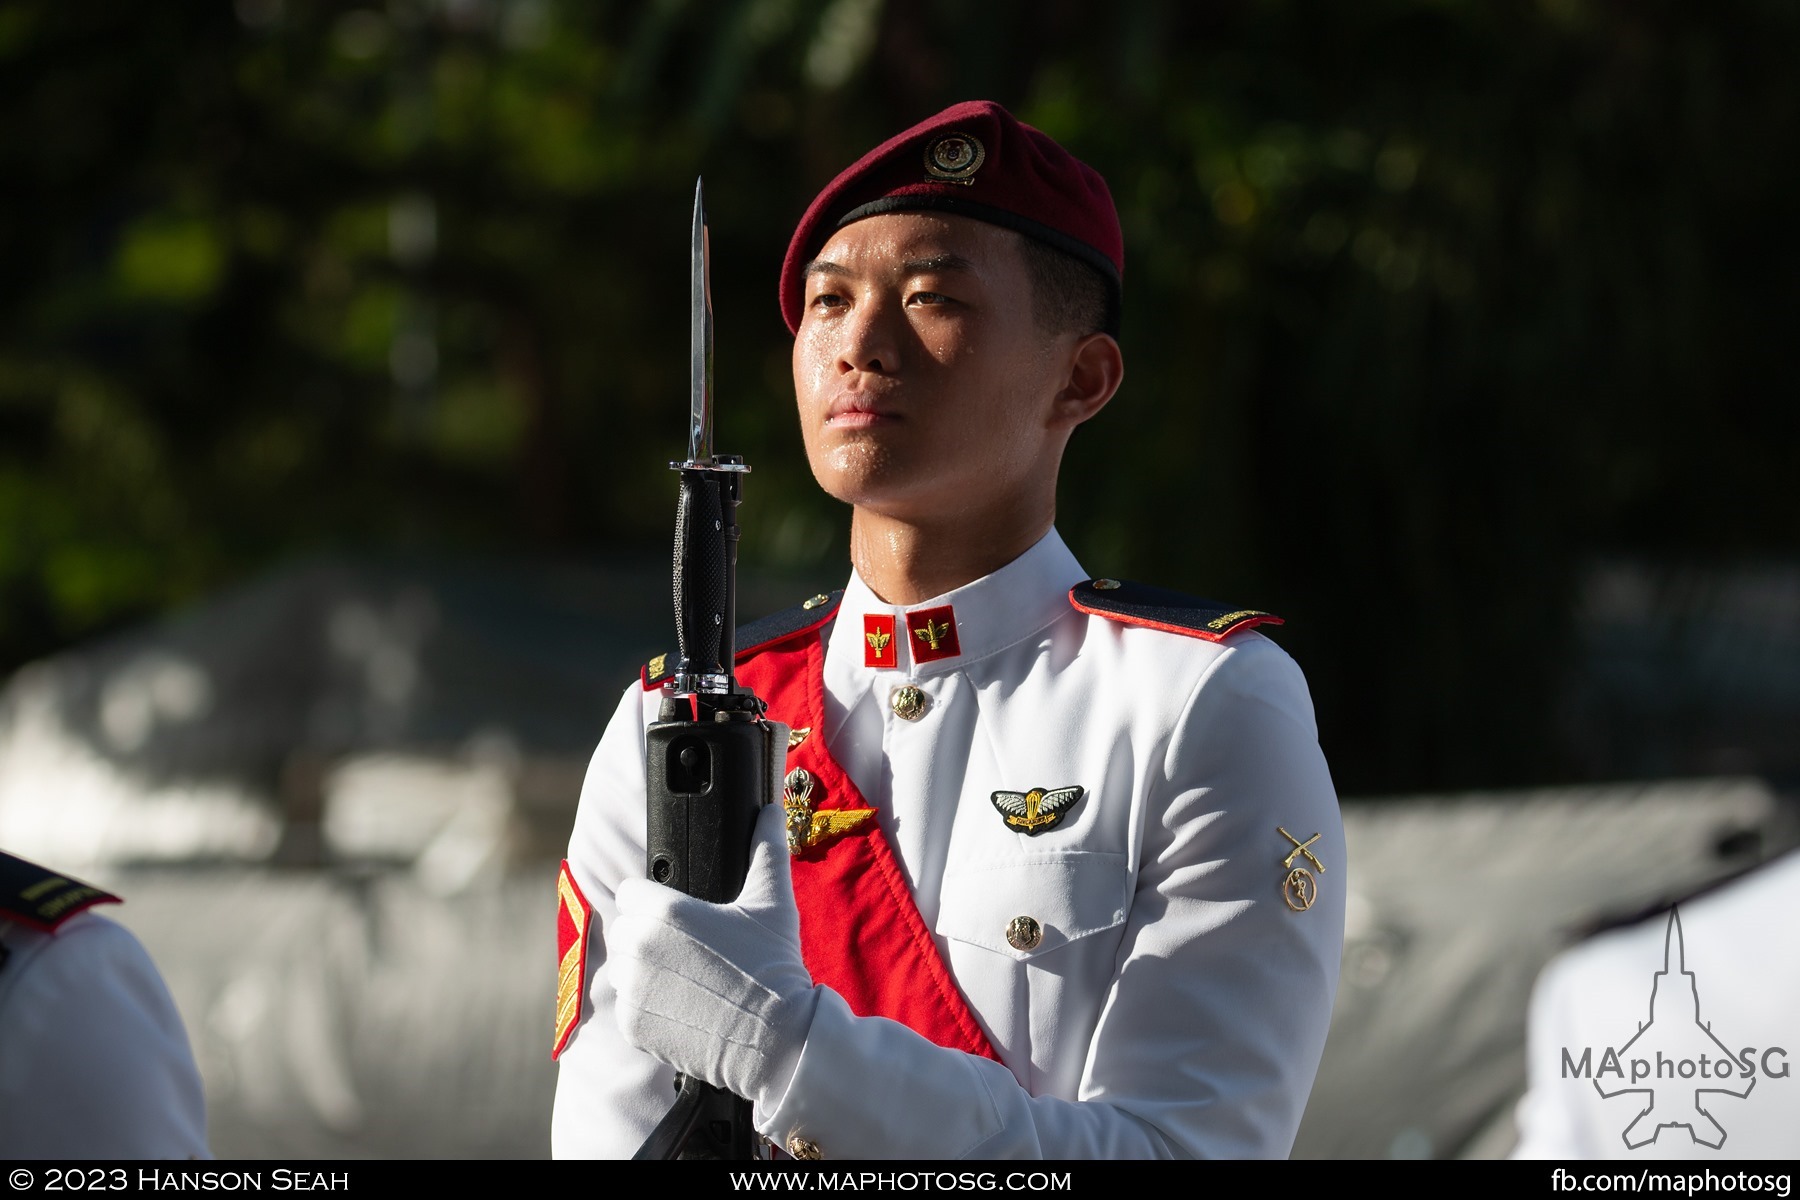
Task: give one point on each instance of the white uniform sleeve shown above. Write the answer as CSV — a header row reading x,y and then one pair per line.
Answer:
x,y
1216,1018
609,1094
94,1060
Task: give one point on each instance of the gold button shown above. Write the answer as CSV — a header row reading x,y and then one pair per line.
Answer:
x,y
804,1148
1024,933
817,600
909,703
1105,585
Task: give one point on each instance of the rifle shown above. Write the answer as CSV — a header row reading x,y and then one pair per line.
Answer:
x,y
711,760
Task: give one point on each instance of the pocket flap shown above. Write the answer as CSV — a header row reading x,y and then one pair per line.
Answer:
x,y
1070,895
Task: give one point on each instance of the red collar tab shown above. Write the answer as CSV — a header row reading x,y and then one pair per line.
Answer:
x,y
878,641
932,634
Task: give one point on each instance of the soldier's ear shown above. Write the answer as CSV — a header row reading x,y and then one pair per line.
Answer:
x,y
1096,368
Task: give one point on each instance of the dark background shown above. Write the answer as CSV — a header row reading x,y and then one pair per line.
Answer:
x,y
1459,334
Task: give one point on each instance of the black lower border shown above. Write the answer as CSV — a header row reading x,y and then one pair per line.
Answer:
x,y
549,1178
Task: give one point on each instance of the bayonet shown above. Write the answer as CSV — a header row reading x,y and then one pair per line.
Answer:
x,y
700,339
711,760
706,519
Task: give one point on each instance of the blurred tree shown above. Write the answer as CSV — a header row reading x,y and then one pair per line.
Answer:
x,y
1428,302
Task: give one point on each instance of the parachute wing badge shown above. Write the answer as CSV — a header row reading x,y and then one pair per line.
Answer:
x,y
1038,810
807,826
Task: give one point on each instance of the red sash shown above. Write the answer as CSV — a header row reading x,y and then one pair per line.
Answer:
x,y
860,929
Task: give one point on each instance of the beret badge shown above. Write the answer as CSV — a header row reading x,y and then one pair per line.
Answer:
x,y
955,157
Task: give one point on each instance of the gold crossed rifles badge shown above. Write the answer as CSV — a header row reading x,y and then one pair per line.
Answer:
x,y
806,827
1299,888
1300,847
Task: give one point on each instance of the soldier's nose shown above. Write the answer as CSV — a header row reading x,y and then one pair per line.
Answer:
x,y
869,343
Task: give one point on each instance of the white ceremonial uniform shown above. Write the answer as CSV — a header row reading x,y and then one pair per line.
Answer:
x,y
94,1060
1722,987
1176,1006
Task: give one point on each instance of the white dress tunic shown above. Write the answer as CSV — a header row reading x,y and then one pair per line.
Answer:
x,y
1177,999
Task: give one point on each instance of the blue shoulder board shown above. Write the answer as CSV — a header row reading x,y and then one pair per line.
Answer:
x,y
765,631
1159,608
39,897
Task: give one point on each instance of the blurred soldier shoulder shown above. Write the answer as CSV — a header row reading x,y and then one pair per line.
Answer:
x,y
94,1059
1673,1034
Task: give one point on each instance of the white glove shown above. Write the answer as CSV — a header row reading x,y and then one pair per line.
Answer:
x,y
717,991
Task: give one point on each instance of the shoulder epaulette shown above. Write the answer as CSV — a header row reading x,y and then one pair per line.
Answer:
x,y
39,897
1160,608
759,634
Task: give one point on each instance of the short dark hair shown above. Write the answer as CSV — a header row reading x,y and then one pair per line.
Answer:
x,y
1067,295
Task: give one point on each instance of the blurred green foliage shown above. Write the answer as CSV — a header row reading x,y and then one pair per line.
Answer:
x,y
1428,302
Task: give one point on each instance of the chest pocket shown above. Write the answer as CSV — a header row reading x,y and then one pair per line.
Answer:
x,y
1034,905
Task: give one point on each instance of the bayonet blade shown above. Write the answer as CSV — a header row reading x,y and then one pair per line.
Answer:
x,y
700,342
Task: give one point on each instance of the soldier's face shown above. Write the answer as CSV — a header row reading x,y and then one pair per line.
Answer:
x,y
925,386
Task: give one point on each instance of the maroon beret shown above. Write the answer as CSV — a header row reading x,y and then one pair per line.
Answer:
x,y
977,160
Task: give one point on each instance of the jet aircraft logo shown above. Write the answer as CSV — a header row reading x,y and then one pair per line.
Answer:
x,y
1684,1064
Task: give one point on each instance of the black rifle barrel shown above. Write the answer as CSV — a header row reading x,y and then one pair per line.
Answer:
x,y
711,762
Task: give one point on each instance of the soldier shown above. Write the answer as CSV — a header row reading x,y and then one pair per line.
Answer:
x,y
1060,871
94,1061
